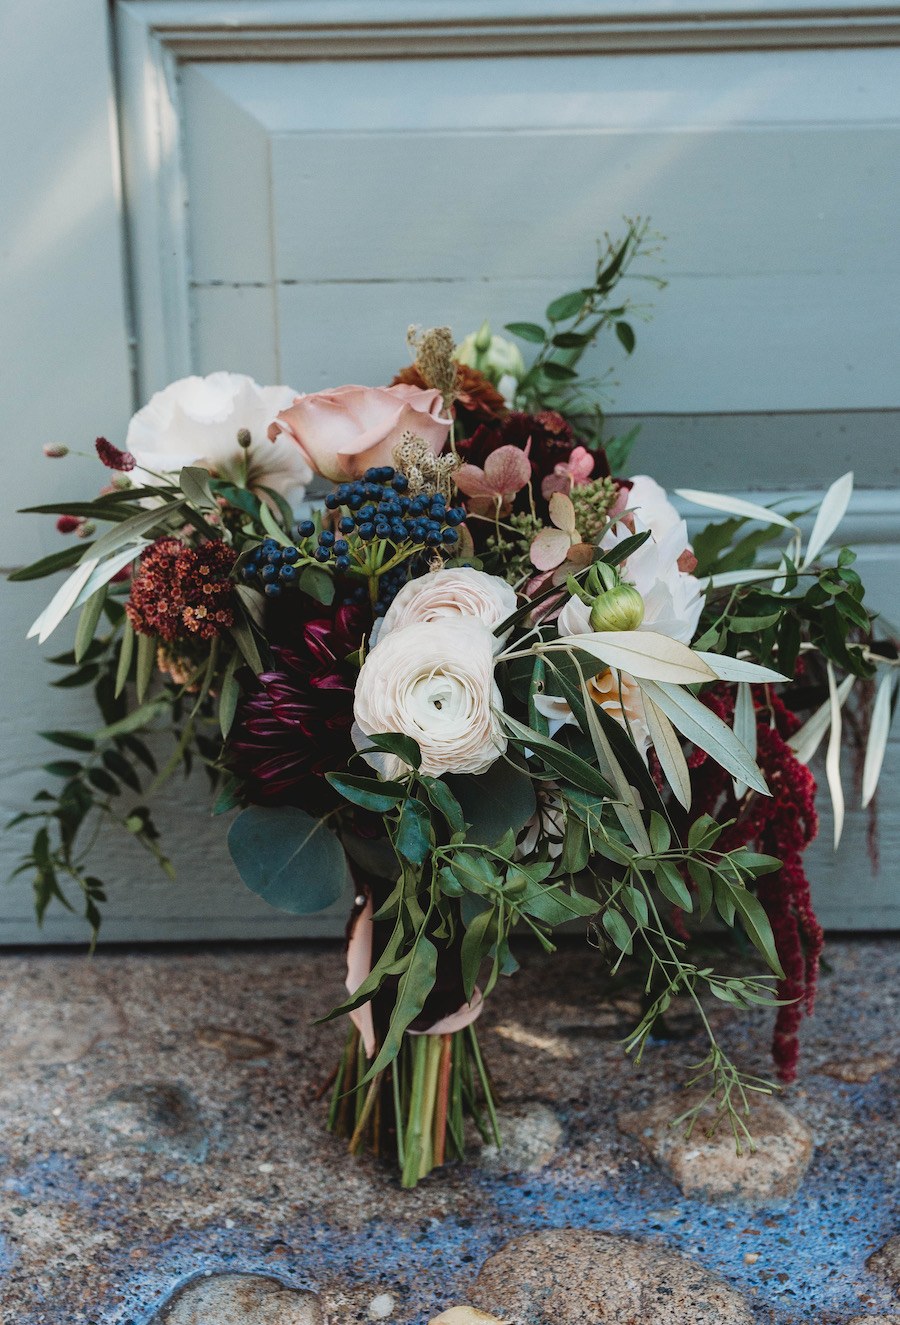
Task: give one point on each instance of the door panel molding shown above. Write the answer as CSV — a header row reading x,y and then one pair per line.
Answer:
x,y
348,29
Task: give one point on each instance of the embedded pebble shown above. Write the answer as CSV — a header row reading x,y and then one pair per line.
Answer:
x,y
382,1307
466,1316
874,1320
239,1299
886,1261
859,1071
710,1167
239,1046
531,1134
577,1276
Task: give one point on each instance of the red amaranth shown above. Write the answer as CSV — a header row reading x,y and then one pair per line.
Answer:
x,y
781,825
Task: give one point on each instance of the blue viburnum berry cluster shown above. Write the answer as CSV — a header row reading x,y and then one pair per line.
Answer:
x,y
377,507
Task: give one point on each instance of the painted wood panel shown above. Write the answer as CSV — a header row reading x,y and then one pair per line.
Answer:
x,y
294,201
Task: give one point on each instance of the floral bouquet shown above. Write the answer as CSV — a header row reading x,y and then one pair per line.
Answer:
x,y
482,676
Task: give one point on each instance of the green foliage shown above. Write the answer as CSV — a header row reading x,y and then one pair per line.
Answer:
x,y
290,860
575,321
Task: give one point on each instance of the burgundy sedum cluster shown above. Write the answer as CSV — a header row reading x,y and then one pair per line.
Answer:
x,y
180,592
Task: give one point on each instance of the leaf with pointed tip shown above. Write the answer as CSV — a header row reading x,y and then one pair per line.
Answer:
x,y
700,725
830,514
833,758
738,669
668,752
717,501
878,734
644,654
807,740
744,727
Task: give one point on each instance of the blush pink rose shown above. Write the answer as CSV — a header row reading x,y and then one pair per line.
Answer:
x,y
344,432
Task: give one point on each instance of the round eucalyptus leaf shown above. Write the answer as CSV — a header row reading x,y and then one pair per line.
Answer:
x,y
290,860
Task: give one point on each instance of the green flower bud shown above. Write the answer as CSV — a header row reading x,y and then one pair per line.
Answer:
x,y
494,356
621,608
482,338
244,440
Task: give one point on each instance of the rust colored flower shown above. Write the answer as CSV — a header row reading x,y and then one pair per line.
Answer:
x,y
477,399
181,592
113,457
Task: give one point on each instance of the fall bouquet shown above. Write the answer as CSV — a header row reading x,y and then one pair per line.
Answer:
x,y
435,648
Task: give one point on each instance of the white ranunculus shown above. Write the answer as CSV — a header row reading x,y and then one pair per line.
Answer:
x,y
448,595
196,420
434,681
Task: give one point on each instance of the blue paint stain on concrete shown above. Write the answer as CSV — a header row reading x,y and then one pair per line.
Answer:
x,y
811,1250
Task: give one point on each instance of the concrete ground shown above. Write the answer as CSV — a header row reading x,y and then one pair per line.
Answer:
x,y
162,1119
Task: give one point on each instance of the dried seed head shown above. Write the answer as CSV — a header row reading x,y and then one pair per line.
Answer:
x,y
427,473
434,359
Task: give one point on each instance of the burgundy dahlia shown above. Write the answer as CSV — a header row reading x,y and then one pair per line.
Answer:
x,y
296,727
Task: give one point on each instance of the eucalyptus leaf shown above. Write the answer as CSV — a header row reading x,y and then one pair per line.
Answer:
x,y
290,860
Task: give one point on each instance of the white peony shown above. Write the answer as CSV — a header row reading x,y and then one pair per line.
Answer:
x,y
673,598
449,595
434,681
673,601
195,421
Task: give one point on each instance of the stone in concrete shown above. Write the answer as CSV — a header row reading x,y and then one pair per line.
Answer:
x,y
154,1116
239,1299
859,1071
710,1167
382,1307
886,1261
874,1320
579,1277
239,1046
466,1316
531,1134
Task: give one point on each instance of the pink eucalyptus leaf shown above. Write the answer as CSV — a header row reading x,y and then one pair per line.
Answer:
x,y
507,470
549,549
562,512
